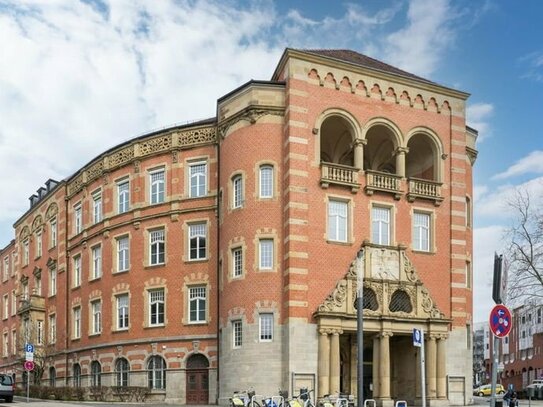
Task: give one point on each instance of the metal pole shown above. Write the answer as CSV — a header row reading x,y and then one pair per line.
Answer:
x,y
422,368
360,327
494,371
27,386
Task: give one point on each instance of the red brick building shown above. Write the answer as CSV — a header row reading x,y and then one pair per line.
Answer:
x,y
222,255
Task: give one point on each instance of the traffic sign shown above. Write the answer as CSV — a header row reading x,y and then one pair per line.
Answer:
x,y
29,348
417,337
500,321
29,356
29,365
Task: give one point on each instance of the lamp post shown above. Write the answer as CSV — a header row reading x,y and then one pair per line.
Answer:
x,y
360,326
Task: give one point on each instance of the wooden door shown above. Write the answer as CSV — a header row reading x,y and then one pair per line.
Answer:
x,y
197,386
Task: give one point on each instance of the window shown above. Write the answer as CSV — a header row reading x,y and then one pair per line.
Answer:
x,y
53,233
52,328
77,375
197,239
39,243
156,247
156,368
421,231
123,253
237,334
52,377
539,315
265,250
96,262
266,181
237,262
13,303
380,223
266,327
122,312
26,252
156,307
39,332
123,196
77,271
52,281
468,212
26,295
156,179
5,271
77,322
5,306
337,220
468,274
5,345
96,311
197,304
122,369
97,207
237,191
37,285
14,342
96,373
198,180
78,219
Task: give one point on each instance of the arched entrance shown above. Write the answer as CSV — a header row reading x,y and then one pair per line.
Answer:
x,y
197,379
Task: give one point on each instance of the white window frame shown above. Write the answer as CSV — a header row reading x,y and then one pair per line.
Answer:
x,y
266,253
5,271
76,315
157,186
157,247
380,225
39,332
422,232
39,243
338,220
96,317
195,233
123,196
77,271
78,218
97,207
5,347
237,191
265,327
197,296
52,328
123,253
37,285
96,252
266,181
53,232
52,281
5,306
197,179
237,262
237,334
26,252
13,342
13,303
122,311
154,306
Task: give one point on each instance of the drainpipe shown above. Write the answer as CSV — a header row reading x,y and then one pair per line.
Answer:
x,y
67,285
218,215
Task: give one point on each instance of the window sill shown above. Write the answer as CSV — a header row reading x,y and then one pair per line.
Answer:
x,y
198,323
75,288
154,266
76,339
423,252
120,330
339,242
95,279
197,260
154,326
95,334
121,272
52,295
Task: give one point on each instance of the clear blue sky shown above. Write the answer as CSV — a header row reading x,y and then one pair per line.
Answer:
x,y
76,78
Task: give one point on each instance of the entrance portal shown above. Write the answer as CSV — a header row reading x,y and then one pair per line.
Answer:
x,y
197,380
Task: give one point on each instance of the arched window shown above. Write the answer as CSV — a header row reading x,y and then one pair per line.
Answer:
x,y
77,375
122,369
266,181
336,140
96,373
400,302
197,361
370,300
156,368
237,191
52,377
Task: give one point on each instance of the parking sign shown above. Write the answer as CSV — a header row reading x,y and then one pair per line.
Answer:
x,y
29,348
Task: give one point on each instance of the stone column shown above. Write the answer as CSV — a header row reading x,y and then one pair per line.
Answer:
x,y
359,153
400,160
376,363
335,369
441,367
324,362
384,374
431,368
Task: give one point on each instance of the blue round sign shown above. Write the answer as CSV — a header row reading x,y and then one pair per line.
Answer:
x,y
500,321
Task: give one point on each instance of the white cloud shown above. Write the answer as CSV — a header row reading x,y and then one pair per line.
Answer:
x,y
477,116
534,66
531,164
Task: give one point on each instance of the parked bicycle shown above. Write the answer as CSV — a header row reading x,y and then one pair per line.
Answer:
x,y
244,399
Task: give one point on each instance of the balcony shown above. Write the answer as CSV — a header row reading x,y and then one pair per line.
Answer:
x,y
340,175
424,189
384,182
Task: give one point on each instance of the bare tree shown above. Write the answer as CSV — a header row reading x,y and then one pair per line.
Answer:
x,y
524,255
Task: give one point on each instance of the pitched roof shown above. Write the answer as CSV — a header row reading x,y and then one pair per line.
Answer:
x,y
356,58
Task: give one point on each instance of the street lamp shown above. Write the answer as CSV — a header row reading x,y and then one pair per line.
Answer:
x,y
360,326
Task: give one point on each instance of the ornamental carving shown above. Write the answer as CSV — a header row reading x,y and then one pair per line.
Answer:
x,y
429,306
155,145
95,170
198,136
52,211
38,221
24,234
75,185
336,299
121,157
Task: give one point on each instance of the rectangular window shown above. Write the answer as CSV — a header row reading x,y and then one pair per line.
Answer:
x,y
237,334
198,179
13,303
156,247
380,223
37,285
157,181
421,231
5,345
76,322
53,233
237,262
52,328
5,271
26,252
266,181
96,262
97,207
39,243
122,312
5,306
78,219
26,295
39,332
237,191
197,304
156,307
337,220
52,281
96,310
468,274
14,342
77,271
123,196
266,327
197,241
265,250
123,253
